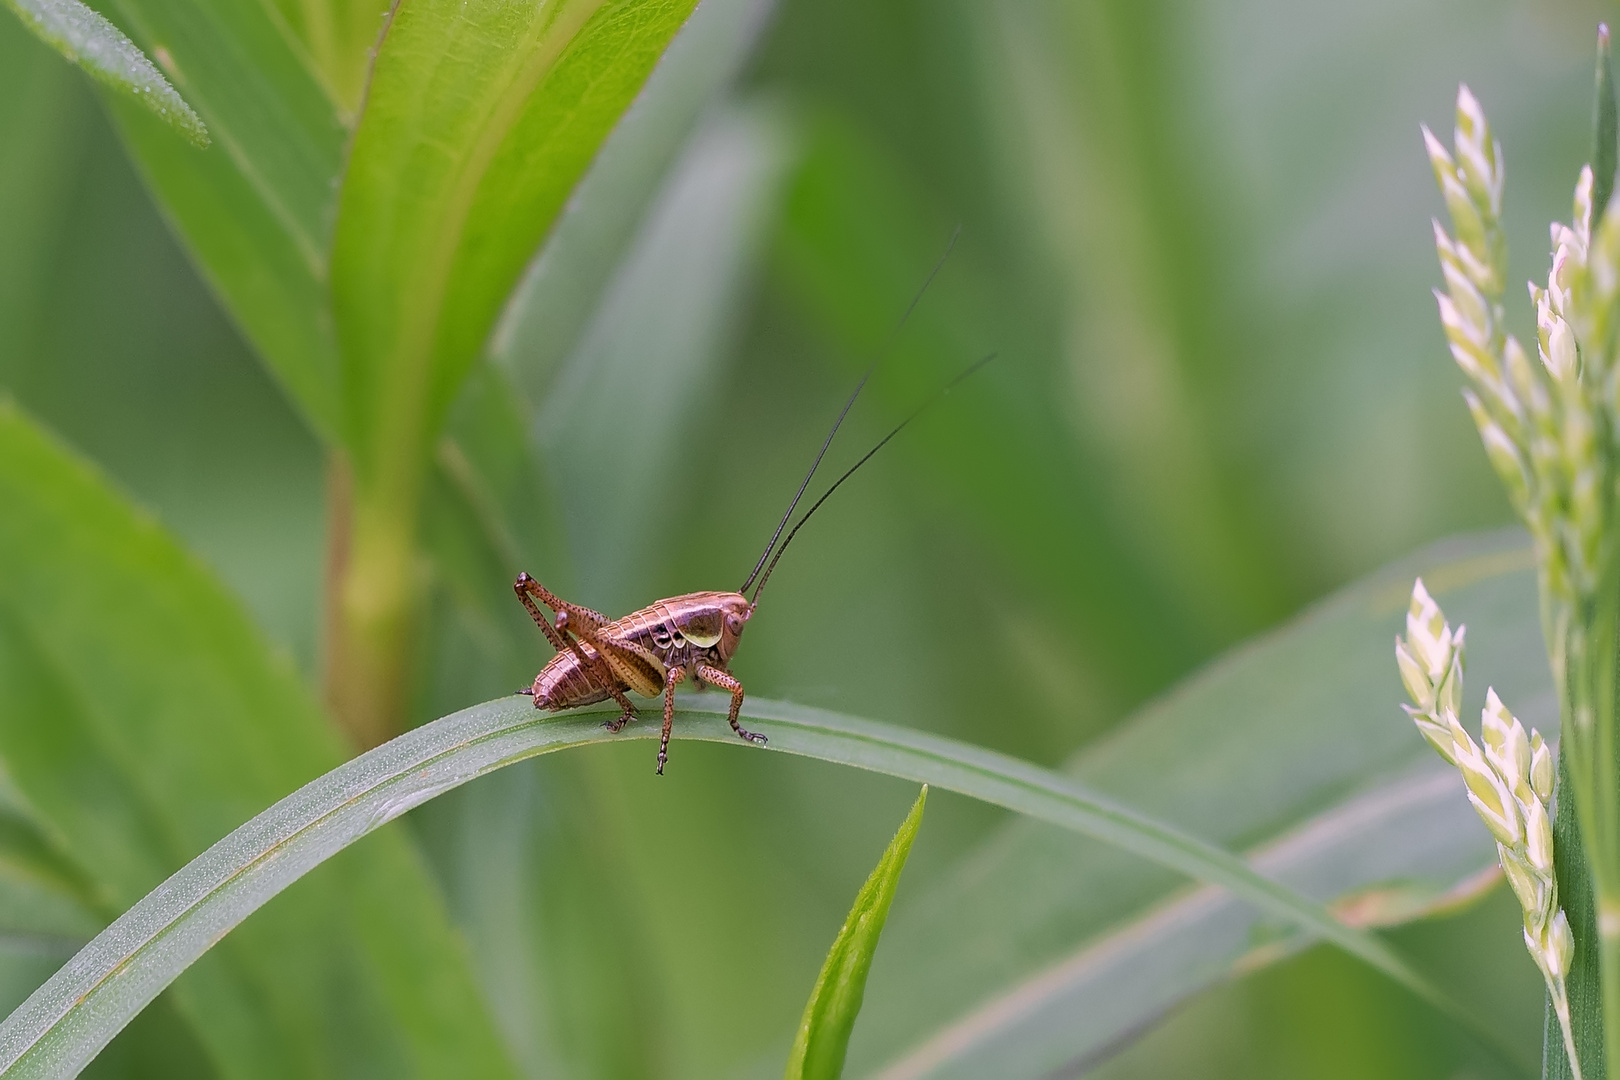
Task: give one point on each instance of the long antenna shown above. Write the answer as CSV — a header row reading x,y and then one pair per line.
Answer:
x,y
884,351
941,392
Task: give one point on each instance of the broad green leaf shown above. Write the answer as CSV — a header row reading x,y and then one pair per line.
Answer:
x,y
263,107
1282,737
835,1001
141,716
562,289
268,281
65,1021
479,120
86,38
255,208
48,906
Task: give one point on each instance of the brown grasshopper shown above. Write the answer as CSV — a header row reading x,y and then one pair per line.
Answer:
x,y
653,650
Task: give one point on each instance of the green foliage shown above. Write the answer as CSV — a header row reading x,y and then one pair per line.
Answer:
x,y
255,209
1217,400
835,1001
166,721
86,38
1045,971
479,121
81,1007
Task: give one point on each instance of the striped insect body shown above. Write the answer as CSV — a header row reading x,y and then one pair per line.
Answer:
x,y
651,651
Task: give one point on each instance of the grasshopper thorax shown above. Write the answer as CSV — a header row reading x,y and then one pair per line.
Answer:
x,y
710,620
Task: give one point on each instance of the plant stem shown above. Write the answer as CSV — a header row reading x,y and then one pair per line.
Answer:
x,y
1560,1005
1584,661
371,608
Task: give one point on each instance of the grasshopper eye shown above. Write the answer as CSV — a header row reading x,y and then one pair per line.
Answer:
x,y
734,623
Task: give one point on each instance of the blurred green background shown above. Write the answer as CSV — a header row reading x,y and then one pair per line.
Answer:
x,y
1197,236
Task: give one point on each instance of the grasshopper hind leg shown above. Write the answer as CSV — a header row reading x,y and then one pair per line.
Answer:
x,y
562,639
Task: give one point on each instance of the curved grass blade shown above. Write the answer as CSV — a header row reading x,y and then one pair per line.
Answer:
x,y
85,37
1403,850
1271,737
66,1021
829,1015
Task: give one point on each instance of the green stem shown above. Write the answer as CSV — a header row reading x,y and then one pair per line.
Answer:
x,y
1609,944
1603,838
1571,1055
371,609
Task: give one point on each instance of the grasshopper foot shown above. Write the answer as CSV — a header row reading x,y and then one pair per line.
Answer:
x,y
616,726
752,736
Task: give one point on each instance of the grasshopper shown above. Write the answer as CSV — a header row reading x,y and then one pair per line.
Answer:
x,y
652,651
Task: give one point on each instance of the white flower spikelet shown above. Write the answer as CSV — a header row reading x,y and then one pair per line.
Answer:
x,y
1547,426
1431,664
1509,781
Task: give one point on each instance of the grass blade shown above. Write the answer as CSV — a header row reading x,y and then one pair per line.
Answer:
x,y
1403,850
69,1018
829,1015
85,37
1304,715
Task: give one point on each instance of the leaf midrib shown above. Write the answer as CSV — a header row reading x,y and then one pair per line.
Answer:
x,y
422,303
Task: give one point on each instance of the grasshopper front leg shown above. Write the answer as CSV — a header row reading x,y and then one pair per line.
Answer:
x,y
726,681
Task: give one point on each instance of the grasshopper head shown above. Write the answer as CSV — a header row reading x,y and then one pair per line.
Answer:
x,y
734,612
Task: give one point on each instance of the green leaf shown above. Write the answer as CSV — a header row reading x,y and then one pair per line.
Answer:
x,y
480,118
1400,851
86,38
265,276
255,209
142,716
550,309
835,1002
82,1006
338,36
1292,734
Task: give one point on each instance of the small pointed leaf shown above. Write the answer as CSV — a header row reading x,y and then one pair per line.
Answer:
x,y
829,1015
85,37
